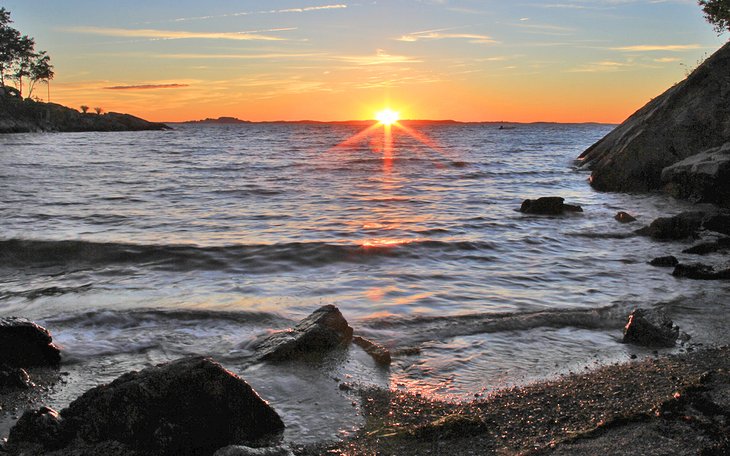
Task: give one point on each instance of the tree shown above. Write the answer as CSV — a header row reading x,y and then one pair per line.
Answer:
x,y
98,110
717,13
18,58
40,70
84,108
21,65
9,40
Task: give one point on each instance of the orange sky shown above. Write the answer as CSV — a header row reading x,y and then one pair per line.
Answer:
x,y
571,61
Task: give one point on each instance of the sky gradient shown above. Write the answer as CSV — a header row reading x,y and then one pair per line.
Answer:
x,y
468,60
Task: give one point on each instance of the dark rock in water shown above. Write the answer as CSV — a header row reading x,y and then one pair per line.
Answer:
x,y
24,343
189,406
237,450
548,205
690,117
380,354
701,178
43,427
664,262
681,226
14,377
323,330
720,223
625,217
709,247
699,271
650,328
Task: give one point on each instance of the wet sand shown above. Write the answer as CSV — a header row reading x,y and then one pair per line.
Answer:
x,y
669,405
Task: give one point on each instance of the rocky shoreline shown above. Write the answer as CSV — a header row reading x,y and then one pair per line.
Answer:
x,y
28,116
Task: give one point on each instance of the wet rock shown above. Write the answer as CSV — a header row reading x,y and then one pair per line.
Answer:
x,y
325,329
688,118
700,271
665,262
548,205
719,223
650,328
189,406
681,226
380,354
702,178
24,343
42,427
624,217
14,377
237,450
709,247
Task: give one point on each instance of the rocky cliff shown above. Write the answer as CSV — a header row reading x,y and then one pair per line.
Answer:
x,y
23,116
691,117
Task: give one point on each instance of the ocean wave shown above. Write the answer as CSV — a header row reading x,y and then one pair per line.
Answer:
x,y
251,258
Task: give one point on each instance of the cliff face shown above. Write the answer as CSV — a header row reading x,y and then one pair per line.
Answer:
x,y
689,118
23,116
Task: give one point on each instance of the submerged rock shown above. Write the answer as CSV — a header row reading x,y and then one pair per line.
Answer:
x,y
238,450
681,226
380,354
548,205
665,262
702,178
690,117
719,223
708,247
323,330
650,328
189,406
624,217
24,343
699,271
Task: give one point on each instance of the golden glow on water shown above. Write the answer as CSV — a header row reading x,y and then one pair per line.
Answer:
x,y
386,242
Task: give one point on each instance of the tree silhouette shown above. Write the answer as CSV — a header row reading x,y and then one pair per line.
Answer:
x,y
18,58
717,13
98,110
40,70
84,108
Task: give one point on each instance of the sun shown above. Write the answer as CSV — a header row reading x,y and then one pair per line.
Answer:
x,y
387,116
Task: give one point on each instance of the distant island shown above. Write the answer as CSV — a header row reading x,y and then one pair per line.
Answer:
x,y
219,121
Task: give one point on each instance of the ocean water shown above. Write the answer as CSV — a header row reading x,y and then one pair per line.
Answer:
x,y
139,248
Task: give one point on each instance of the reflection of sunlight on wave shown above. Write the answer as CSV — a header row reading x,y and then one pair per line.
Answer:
x,y
388,242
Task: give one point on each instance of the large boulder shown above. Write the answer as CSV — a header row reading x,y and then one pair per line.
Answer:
x,y
548,205
701,178
24,343
699,271
690,117
324,330
190,406
650,328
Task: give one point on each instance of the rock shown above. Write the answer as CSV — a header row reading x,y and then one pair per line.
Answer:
x,y
323,330
625,217
681,226
689,118
708,247
237,450
548,205
24,343
650,328
699,271
719,223
43,427
701,178
664,262
14,377
189,406
380,354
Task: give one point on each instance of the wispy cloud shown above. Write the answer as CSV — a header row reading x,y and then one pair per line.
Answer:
x,y
657,47
277,11
265,56
175,34
439,35
667,60
381,57
147,86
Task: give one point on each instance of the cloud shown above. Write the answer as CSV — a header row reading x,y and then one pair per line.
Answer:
x,y
380,58
660,47
175,34
249,13
147,87
667,60
269,56
438,35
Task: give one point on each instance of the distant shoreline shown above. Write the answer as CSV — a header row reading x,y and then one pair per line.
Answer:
x,y
236,121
